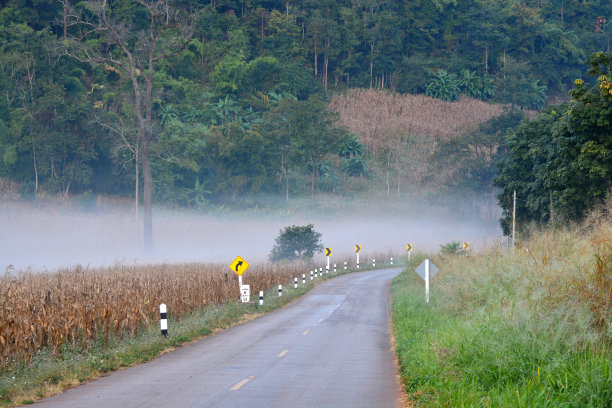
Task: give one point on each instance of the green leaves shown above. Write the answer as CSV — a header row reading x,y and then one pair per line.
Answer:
x,y
560,163
296,242
444,86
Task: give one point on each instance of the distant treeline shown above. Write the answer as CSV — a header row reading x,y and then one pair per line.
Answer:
x,y
237,96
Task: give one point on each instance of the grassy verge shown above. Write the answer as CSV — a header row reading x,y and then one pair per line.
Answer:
x,y
48,374
525,329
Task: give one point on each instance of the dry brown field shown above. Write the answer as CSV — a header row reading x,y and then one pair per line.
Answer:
x,y
373,114
78,306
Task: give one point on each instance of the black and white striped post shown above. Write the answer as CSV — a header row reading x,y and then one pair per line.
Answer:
x,y
280,290
163,319
295,283
391,261
335,268
326,269
303,279
373,263
260,297
321,272
316,273
345,265
310,275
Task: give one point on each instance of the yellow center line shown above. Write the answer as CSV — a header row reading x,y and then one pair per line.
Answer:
x,y
283,353
240,384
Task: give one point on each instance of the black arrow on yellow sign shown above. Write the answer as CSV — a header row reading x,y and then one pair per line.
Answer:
x,y
357,248
328,251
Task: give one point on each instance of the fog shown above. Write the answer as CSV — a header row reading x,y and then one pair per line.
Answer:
x,y
45,240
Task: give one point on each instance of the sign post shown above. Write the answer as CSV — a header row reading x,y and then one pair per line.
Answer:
x,y
426,270
409,249
357,251
328,252
238,266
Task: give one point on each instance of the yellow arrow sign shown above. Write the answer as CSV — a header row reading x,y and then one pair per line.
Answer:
x,y
357,248
466,246
328,251
409,247
239,266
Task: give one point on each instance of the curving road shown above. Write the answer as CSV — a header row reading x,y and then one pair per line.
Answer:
x,y
331,348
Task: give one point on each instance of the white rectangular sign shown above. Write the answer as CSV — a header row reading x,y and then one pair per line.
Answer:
x,y
245,293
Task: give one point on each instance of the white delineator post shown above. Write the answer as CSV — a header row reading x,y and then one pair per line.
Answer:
x,y
316,273
280,290
303,279
334,268
310,275
427,280
391,261
374,263
513,219
345,265
260,297
163,319
295,283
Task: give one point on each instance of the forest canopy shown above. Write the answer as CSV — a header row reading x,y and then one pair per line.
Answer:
x,y
233,102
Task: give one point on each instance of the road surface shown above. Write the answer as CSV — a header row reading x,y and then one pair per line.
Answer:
x,y
331,348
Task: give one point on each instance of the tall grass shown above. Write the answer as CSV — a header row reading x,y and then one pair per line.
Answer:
x,y
530,328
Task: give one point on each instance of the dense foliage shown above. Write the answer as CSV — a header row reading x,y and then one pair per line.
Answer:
x,y
296,242
232,102
560,163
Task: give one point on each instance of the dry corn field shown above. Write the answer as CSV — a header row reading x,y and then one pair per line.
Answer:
x,y
79,306
374,114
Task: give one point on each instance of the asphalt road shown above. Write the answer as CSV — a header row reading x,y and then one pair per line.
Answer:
x,y
331,348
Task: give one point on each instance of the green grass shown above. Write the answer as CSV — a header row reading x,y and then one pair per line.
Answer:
x,y
45,375
510,330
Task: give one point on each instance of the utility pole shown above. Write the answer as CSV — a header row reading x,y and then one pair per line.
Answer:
x,y
513,219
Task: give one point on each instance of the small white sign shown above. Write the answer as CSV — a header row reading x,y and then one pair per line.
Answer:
x,y
245,293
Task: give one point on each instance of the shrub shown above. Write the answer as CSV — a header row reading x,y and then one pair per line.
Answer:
x,y
296,242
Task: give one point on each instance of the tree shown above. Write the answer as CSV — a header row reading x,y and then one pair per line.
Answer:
x,y
560,163
132,40
296,242
313,130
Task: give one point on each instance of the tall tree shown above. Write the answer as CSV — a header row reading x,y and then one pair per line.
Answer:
x,y
132,39
313,129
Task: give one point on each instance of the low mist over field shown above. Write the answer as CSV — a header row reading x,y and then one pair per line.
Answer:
x,y
48,239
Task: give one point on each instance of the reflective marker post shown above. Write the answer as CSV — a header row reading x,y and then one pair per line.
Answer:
x,y
163,319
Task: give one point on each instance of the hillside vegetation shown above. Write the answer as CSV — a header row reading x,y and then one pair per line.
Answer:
x,y
531,328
